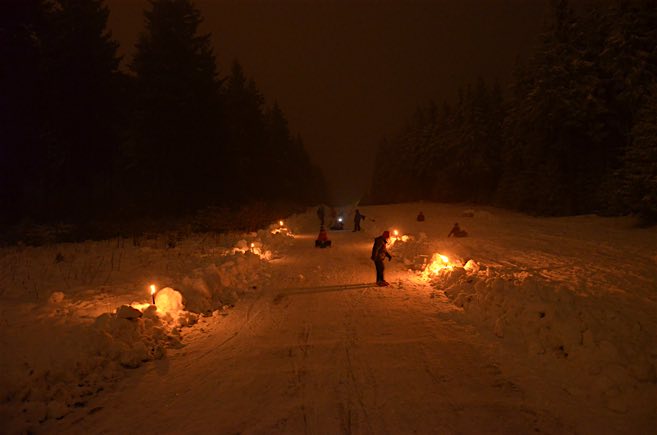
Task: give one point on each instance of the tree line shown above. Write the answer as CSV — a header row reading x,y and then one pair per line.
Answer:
x,y
576,132
82,139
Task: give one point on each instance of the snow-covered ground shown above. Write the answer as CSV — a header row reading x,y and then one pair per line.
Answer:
x,y
550,327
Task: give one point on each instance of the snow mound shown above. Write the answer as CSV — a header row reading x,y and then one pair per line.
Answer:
x,y
551,322
68,341
83,360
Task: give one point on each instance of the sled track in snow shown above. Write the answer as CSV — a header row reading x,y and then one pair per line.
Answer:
x,y
297,291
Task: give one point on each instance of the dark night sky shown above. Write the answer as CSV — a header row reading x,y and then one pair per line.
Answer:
x,y
348,73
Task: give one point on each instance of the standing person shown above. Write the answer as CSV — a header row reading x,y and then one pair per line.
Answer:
x,y
320,215
379,253
357,218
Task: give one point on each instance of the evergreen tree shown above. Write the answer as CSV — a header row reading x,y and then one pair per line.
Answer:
x,y
176,155
555,132
82,69
288,163
23,24
637,179
245,137
61,87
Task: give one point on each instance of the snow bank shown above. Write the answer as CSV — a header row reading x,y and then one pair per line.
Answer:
x,y
58,366
615,352
76,316
573,295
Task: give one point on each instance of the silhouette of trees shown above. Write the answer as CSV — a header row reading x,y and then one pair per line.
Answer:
x,y
448,154
576,135
176,115
60,109
82,140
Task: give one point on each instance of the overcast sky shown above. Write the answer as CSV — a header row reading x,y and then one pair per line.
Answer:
x,y
348,73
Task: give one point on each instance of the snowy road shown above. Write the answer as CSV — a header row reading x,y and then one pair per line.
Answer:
x,y
321,357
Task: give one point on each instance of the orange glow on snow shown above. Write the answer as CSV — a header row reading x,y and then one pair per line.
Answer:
x,y
281,229
438,263
397,237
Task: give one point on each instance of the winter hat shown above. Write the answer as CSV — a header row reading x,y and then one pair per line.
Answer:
x,y
386,234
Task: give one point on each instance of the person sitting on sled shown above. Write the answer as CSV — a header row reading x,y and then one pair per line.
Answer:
x,y
457,231
379,253
322,239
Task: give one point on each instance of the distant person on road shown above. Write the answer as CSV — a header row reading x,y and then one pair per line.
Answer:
x,y
379,253
457,231
357,218
420,217
320,215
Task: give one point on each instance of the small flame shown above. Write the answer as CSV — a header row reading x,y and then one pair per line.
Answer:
x,y
396,233
280,223
152,289
253,245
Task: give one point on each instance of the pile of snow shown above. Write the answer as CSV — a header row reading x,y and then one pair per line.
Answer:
x,y
77,315
616,351
533,284
57,364
605,351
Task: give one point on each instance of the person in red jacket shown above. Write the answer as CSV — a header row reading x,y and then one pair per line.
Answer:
x,y
379,253
322,239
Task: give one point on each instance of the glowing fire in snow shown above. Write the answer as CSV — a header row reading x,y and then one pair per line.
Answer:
x,y
439,262
257,249
396,237
280,229
169,302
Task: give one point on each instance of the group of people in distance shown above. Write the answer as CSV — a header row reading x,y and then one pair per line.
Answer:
x,y
379,249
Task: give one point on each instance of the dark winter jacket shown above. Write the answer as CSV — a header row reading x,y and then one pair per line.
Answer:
x,y
358,217
379,251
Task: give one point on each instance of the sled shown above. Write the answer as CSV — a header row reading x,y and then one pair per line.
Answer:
x,y
322,243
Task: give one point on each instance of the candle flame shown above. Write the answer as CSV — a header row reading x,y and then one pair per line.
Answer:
x,y
280,223
152,289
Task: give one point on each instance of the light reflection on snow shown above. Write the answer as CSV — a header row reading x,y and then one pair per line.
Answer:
x,y
439,263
